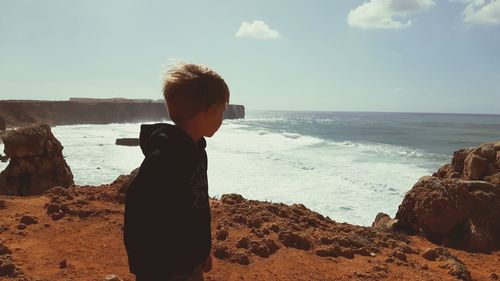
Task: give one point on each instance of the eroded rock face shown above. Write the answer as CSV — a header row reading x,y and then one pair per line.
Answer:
x,y
459,205
36,162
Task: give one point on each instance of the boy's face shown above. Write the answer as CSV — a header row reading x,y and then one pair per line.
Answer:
x,y
214,117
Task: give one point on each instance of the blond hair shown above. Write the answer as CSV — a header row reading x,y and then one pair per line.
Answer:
x,y
191,88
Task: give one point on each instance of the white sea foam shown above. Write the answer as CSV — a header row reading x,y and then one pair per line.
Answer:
x,y
2,164
348,183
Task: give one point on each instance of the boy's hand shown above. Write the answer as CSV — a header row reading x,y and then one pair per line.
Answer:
x,y
207,264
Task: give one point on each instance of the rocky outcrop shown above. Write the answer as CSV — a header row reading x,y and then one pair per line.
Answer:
x,y
36,162
127,141
459,205
234,111
17,113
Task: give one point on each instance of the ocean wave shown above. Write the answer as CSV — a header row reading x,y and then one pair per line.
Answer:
x,y
393,150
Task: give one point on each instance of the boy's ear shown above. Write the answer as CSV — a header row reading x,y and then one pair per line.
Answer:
x,y
212,109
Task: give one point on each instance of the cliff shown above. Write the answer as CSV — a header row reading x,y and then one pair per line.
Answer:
x,y
17,113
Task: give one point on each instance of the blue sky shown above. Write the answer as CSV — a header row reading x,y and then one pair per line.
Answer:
x,y
368,55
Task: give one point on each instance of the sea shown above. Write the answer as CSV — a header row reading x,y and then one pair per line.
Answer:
x,y
348,166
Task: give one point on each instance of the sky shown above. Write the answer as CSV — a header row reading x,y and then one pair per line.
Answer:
x,y
343,55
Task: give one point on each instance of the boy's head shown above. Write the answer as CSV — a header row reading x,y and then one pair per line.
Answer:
x,y
192,88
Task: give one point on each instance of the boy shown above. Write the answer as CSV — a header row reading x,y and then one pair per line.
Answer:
x,y
167,213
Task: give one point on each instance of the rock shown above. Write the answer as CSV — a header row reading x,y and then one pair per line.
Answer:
x,y
271,245
27,220
275,228
3,158
231,199
488,152
496,146
221,251
475,167
57,215
240,219
112,277
457,268
384,222
3,124
240,258
53,208
363,252
438,253
63,264
254,222
124,181
294,240
3,228
446,171
4,250
222,234
3,204
400,255
21,226
36,164
347,253
454,212
234,111
7,268
127,141
494,179
244,242
259,248
458,160
328,251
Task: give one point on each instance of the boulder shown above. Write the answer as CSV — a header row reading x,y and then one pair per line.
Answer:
x,y
475,167
231,198
294,240
473,163
127,141
454,212
494,179
384,222
123,181
458,160
459,205
36,162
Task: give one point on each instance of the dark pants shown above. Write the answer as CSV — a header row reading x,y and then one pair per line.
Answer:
x,y
192,274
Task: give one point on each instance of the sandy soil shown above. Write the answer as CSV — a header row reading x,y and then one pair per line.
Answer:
x,y
89,239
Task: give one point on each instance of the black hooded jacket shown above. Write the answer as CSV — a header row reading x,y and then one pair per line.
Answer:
x,y
167,212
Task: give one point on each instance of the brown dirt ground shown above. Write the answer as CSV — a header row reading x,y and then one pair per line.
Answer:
x,y
93,248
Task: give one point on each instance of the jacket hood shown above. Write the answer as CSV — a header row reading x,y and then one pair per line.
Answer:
x,y
163,136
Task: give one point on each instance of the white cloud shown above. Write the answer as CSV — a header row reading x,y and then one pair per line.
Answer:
x,y
257,29
386,13
482,12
